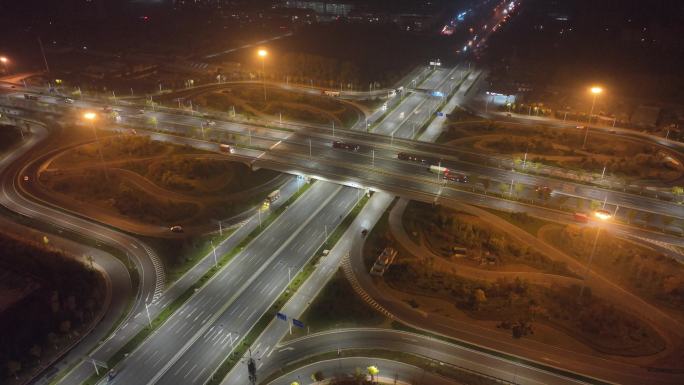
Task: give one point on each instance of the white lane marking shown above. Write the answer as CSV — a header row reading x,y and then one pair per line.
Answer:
x,y
190,371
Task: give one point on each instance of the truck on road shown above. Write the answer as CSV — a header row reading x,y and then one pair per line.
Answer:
x,y
273,196
438,169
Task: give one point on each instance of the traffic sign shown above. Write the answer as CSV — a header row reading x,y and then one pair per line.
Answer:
x,y
297,323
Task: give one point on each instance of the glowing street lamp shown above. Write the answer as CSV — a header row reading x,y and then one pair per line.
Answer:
x,y
262,53
5,61
596,91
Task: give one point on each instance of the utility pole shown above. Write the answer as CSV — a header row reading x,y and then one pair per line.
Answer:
x,y
42,51
214,249
147,310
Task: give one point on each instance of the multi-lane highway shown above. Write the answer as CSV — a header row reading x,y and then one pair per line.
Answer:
x,y
380,152
187,347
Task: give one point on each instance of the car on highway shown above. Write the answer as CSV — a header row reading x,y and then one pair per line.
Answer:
x,y
210,123
224,147
364,232
543,191
603,214
346,146
455,177
177,229
416,158
581,217
68,100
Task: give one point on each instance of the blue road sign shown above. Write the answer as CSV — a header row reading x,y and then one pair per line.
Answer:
x,y
281,316
297,323
440,113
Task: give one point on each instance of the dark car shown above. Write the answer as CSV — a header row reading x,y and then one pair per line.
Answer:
x,y
346,146
456,177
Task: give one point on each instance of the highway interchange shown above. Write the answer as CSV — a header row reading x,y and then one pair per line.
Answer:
x,y
204,330
377,168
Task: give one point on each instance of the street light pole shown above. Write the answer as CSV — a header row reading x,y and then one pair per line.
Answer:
x,y
214,249
262,54
593,104
595,91
591,257
586,134
4,60
90,117
147,310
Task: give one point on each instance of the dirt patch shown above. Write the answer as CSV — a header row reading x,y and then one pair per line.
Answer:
x,y
155,183
516,305
249,100
442,229
565,148
644,271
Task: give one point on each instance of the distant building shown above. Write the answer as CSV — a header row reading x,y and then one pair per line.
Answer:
x,y
321,7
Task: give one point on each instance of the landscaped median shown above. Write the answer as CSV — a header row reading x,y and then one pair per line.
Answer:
x,y
299,279
134,342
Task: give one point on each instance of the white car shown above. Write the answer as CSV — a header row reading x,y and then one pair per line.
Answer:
x,y
211,123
